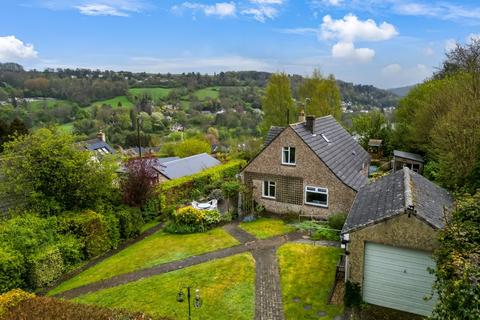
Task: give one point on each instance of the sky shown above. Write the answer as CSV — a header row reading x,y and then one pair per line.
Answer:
x,y
386,43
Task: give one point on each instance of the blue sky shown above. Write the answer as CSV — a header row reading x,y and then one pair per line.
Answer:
x,y
385,43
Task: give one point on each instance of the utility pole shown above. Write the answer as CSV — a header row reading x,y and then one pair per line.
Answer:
x,y
139,122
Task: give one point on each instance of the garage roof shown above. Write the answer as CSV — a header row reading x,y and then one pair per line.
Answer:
x,y
393,194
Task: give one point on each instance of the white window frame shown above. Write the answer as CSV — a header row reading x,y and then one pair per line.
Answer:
x,y
318,190
270,183
287,161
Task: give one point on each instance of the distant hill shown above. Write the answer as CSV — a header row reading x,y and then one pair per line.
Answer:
x,y
366,96
401,91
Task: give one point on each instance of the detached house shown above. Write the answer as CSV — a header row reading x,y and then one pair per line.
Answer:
x,y
312,168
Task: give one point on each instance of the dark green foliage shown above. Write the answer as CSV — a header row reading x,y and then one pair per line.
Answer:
x,y
130,221
45,267
113,229
326,234
336,220
71,249
458,263
151,209
352,296
12,269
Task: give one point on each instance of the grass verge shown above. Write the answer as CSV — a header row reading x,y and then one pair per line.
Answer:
x,y
227,290
156,249
263,228
307,274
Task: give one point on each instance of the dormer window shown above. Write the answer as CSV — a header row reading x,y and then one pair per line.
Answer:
x,y
288,156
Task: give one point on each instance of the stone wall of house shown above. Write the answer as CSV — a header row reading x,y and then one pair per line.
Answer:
x,y
400,231
291,180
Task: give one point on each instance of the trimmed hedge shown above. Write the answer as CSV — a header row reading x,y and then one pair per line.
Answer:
x,y
46,267
176,191
130,221
12,269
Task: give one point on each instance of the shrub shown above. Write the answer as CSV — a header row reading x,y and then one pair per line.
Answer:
x,y
46,266
71,250
113,229
189,219
337,220
11,299
91,228
130,220
151,209
12,269
326,234
352,296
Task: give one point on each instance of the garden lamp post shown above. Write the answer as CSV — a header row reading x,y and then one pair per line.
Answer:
x,y
197,303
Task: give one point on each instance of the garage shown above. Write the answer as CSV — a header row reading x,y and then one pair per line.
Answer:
x,y
398,278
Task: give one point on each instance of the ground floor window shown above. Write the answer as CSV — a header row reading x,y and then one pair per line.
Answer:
x,y
269,189
316,196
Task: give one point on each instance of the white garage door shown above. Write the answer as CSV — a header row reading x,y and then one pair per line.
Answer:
x,y
398,278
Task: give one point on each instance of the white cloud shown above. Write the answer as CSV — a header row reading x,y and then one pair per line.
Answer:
x,y
391,69
428,51
261,13
12,49
440,9
473,36
450,44
351,29
267,1
95,9
326,3
347,50
220,9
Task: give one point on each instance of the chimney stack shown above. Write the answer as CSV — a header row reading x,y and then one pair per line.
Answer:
x,y
301,116
310,123
101,136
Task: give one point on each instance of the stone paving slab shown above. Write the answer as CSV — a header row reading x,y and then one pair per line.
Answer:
x,y
238,233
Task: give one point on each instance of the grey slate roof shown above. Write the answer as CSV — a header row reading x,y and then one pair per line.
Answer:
x,y
272,134
96,145
342,154
178,168
391,195
408,155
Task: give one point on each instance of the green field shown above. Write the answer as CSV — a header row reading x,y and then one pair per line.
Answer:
x,y
156,249
114,102
210,92
263,228
305,289
50,103
227,290
67,127
155,93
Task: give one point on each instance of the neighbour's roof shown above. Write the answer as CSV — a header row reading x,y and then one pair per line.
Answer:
x,y
178,168
337,149
272,134
97,145
392,195
408,155
375,142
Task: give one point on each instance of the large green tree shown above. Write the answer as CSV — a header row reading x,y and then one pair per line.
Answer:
x,y
277,104
322,94
372,125
50,174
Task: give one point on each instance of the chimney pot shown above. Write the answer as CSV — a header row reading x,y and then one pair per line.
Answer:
x,y
310,123
101,136
301,116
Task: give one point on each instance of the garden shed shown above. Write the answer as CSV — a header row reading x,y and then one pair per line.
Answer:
x,y
391,232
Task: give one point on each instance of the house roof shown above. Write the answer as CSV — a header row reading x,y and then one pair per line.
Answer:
x,y
178,168
392,195
375,142
97,145
272,134
337,149
408,155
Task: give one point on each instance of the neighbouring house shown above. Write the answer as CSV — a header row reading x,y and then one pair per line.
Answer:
x,y
375,148
135,151
390,234
412,161
173,168
312,168
98,145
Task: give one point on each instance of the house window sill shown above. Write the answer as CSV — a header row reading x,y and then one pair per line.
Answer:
x,y
269,198
289,164
316,205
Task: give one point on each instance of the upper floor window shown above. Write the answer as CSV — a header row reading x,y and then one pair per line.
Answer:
x,y
269,189
288,156
316,196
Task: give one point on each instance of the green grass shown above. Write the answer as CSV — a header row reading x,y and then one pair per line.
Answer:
x,y
149,225
67,127
263,228
155,93
156,249
210,92
307,273
227,288
114,102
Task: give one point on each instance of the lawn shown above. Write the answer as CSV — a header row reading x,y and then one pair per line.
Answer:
x,y
307,274
155,93
49,103
210,92
114,102
227,288
67,127
156,249
263,228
